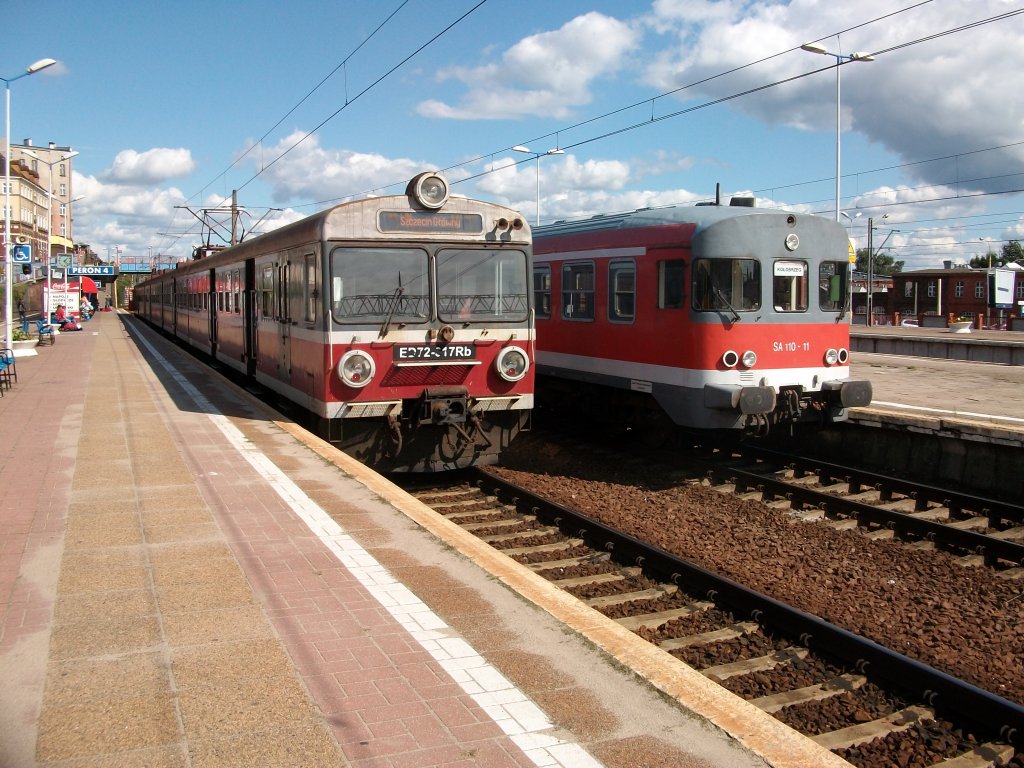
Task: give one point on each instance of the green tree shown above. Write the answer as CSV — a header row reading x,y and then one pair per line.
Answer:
x,y
1012,251
883,264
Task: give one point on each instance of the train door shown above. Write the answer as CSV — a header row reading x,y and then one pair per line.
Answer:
x,y
210,305
250,316
284,320
174,306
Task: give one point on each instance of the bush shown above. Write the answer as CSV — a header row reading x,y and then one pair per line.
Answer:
x,y
19,335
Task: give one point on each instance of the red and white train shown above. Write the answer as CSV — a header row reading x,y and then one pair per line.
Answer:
x,y
403,323
720,317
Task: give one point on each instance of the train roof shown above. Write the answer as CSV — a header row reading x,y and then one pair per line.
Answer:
x,y
358,220
696,216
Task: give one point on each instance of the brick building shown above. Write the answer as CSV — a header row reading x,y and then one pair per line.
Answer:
x,y
937,296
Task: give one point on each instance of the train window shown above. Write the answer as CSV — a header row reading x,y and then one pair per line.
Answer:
x,y
236,289
283,285
309,266
379,285
481,285
671,293
789,285
266,291
542,289
578,291
832,285
730,285
621,291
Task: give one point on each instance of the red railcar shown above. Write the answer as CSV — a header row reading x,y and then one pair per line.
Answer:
x,y
403,323
720,317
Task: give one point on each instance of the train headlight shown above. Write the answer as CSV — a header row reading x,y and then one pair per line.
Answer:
x,y
730,359
749,359
512,363
356,368
831,357
844,355
429,190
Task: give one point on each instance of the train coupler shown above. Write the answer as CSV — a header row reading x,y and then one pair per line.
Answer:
x,y
444,406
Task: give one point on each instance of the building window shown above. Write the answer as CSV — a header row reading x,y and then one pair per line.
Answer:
x,y
63,190
931,289
908,290
979,290
958,291
62,169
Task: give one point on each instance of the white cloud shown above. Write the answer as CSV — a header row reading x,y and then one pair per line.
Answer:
x,y
919,102
312,172
543,75
153,166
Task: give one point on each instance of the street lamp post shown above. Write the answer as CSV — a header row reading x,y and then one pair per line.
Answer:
x,y
9,281
840,59
527,150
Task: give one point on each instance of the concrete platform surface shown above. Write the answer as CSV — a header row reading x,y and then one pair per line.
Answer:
x,y
189,580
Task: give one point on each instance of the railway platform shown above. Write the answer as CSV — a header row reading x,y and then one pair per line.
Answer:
x,y
190,580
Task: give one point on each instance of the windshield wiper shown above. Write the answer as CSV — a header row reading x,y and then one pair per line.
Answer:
x,y
721,297
396,297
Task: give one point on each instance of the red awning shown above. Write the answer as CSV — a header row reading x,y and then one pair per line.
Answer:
x,y
88,284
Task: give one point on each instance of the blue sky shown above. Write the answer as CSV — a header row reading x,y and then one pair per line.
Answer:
x,y
301,104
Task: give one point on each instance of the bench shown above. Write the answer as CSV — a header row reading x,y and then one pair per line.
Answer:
x,y
46,334
8,370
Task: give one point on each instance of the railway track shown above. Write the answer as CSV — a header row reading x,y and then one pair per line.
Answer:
x,y
871,705
981,531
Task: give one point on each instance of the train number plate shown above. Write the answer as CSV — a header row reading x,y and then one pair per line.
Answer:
x,y
412,352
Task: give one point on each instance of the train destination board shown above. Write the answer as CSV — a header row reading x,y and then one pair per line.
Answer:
x,y
430,221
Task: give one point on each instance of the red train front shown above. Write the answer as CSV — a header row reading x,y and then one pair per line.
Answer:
x,y
720,317
404,324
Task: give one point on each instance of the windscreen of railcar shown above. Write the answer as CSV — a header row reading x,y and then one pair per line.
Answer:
x,y
475,285
833,285
376,285
726,284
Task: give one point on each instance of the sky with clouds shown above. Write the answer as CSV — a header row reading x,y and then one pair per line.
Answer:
x,y
300,105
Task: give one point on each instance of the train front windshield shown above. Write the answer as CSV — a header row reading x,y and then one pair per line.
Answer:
x,y
377,285
481,286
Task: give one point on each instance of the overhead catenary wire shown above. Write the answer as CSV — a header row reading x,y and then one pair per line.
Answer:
x,y
654,118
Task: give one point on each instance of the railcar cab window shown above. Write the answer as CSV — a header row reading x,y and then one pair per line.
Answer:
x,y
671,274
475,285
578,291
726,285
621,291
789,285
378,285
832,285
542,289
